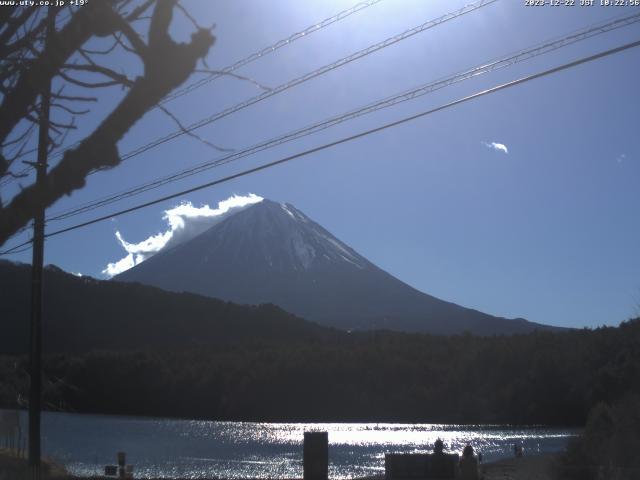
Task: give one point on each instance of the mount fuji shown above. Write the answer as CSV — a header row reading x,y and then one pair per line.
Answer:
x,y
271,252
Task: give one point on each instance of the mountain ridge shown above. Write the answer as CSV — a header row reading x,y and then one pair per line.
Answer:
x,y
83,313
273,253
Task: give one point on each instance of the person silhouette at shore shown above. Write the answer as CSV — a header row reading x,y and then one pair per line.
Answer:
x,y
439,464
438,447
468,464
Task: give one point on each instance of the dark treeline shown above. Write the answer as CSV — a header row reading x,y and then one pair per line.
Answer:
x,y
539,378
84,314
609,445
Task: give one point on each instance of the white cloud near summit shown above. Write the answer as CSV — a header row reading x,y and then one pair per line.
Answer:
x,y
184,222
501,147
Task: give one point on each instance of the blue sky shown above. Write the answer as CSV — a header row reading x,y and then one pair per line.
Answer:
x,y
548,231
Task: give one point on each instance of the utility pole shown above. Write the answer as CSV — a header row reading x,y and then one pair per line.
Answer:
x,y
35,351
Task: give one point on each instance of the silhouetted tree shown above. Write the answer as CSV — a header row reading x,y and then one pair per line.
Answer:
x,y
27,61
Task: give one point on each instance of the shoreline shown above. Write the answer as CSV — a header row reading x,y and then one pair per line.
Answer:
x,y
382,422
532,467
528,467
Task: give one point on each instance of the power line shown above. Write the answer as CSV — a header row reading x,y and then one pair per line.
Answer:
x,y
304,78
365,133
23,247
270,49
503,62
230,68
308,76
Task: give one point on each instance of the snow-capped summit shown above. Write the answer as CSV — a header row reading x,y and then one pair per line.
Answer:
x,y
293,240
271,252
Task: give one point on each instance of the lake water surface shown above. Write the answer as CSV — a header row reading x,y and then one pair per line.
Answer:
x,y
235,450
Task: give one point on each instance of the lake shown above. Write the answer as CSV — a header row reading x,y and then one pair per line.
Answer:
x,y
160,447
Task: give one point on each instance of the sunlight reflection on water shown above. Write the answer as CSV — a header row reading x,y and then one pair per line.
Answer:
x,y
237,450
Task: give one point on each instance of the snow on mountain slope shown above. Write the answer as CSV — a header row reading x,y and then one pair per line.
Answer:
x,y
273,253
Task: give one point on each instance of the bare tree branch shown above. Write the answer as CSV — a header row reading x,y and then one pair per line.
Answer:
x,y
70,111
93,19
167,64
188,15
139,47
14,24
18,139
137,13
190,133
81,83
107,72
87,51
74,98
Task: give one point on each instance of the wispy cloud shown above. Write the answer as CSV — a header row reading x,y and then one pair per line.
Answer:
x,y
501,147
622,157
184,222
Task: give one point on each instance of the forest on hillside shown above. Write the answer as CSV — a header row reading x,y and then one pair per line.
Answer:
x,y
552,378
83,314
